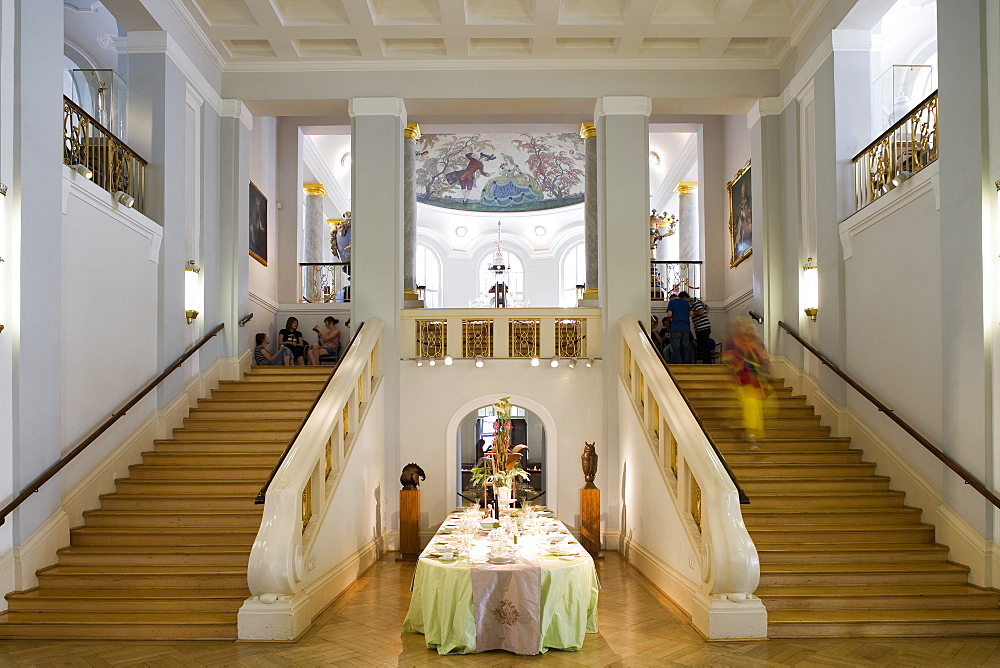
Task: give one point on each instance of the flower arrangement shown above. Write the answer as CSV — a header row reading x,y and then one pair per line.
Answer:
x,y
499,471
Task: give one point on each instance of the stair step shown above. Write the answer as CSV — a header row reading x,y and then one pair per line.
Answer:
x,y
141,576
774,445
176,502
242,403
765,468
826,486
207,519
120,629
882,623
132,600
845,533
272,385
258,423
193,487
159,555
246,433
797,517
875,501
181,473
267,458
205,447
212,412
186,536
730,393
877,597
782,457
773,423
735,432
837,574
273,398
735,412
805,553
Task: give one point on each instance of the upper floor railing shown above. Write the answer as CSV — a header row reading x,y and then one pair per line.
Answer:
x,y
98,154
671,277
702,488
529,333
905,148
325,282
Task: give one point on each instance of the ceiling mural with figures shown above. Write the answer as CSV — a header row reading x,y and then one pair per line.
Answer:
x,y
500,172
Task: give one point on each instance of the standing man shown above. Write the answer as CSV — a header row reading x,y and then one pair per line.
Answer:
x,y
679,312
702,329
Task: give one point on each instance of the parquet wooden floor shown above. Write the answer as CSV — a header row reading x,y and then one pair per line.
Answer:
x,y
639,627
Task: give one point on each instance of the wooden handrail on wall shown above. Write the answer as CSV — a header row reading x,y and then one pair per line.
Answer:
x,y
35,484
891,414
262,494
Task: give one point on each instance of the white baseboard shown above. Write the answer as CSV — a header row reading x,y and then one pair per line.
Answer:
x,y
19,564
288,617
715,617
965,545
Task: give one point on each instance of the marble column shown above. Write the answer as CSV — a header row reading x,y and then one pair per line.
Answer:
x,y
410,136
589,134
687,221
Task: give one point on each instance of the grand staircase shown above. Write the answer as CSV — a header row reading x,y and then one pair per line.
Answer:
x,y
841,555
165,556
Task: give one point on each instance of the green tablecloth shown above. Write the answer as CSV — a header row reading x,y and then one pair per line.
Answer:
x,y
441,606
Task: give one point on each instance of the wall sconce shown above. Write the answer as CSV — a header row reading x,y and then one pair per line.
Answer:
x,y
810,288
83,171
124,199
191,290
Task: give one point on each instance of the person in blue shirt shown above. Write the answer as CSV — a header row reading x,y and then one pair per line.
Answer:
x,y
679,312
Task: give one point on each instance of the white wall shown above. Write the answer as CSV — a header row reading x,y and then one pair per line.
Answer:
x,y
739,280
566,400
264,280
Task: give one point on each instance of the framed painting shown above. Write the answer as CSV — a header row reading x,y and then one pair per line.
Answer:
x,y
740,216
258,225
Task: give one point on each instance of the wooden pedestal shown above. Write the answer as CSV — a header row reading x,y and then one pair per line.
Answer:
x,y
409,524
590,520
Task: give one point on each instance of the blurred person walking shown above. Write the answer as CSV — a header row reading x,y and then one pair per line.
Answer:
x,y
746,357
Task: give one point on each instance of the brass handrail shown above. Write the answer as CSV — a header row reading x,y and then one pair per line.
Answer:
x,y
114,166
58,466
891,414
744,499
262,494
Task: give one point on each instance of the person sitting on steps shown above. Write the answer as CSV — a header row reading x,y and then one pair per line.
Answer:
x,y
329,340
263,358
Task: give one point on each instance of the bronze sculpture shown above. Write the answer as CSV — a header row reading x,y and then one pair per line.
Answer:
x,y
589,460
411,476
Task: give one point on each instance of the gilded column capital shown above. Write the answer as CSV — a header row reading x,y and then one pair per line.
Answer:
x,y
686,188
314,189
587,130
412,131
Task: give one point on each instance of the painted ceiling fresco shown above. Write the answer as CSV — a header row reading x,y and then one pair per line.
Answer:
x,y
500,172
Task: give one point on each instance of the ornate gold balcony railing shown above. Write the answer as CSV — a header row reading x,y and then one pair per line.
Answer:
x,y
115,167
902,150
669,278
325,282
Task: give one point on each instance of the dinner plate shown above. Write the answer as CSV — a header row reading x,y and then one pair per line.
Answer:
x,y
500,560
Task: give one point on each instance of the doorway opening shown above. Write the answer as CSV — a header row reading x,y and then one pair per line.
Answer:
x,y
476,432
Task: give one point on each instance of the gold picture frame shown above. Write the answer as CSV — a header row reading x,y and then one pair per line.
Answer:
x,y
258,225
740,216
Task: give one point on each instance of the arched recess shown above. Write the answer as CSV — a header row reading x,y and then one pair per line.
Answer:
x,y
551,443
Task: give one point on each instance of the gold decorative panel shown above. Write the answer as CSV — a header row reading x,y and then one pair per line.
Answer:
x,y
525,335
571,335
329,458
477,337
307,509
432,338
696,502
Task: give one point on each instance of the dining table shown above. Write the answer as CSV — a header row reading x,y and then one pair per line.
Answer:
x,y
526,588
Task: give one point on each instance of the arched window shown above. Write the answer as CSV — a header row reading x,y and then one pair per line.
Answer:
x,y
513,278
427,272
573,273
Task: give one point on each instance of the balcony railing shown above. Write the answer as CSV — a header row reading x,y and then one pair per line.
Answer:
x,y
113,165
325,282
902,150
669,278
433,334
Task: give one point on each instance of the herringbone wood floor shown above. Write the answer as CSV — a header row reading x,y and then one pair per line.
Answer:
x,y
638,627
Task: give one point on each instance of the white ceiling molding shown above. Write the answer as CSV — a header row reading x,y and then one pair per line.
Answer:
x,y
161,42
377,106
314,160
479,65
236,109
766,106
192,25
679,168
623,105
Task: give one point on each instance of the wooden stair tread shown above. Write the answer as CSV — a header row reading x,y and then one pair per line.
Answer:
x,y
60,569
143,592
810,591
862,616
879,567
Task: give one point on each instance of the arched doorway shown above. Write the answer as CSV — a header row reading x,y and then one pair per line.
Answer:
x,y
475,436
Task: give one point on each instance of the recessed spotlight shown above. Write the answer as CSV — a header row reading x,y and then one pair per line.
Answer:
x,y
479,361
534,361
432,362
589,363
461,231
554,363
83,171
420,362
539,231
448,360
572,364
124,199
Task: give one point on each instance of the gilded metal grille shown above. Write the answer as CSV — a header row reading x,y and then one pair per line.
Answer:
x,y
361,389
325,282
115,166
673,455
432,338
477,338
329,458
346,416
571,336
654,417
525,335
905,148
696,502
671,278
307,509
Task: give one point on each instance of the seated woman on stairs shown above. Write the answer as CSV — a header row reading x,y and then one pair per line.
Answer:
x,y
329,340
263,358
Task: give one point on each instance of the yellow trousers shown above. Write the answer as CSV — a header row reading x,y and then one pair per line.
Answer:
x,y
752,403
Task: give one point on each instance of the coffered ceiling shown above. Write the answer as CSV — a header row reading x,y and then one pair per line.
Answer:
x,y
367,34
